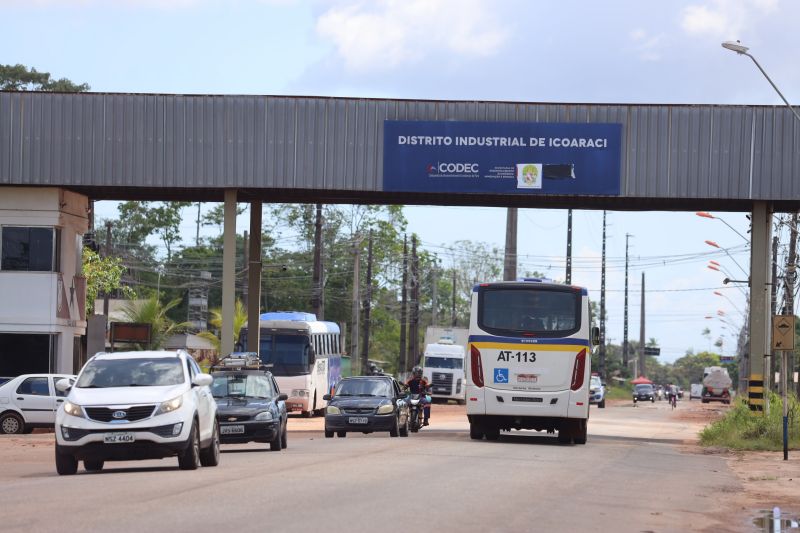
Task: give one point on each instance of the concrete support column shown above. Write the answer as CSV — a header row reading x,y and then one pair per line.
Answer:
x,y
228,272
760,304
254,279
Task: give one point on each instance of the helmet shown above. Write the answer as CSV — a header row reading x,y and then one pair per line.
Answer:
x,y
417,371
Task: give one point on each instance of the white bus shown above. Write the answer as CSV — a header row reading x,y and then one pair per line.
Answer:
x,y
530,345
443,367
305,355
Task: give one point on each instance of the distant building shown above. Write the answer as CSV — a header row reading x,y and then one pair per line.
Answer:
x,y
42,291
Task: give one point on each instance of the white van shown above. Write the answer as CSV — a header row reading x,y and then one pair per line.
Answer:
x,y
443,367
530,345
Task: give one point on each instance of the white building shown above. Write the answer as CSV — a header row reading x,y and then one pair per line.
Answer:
x,y
42,291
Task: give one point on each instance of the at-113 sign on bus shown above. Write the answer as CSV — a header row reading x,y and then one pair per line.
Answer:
x,y
502,157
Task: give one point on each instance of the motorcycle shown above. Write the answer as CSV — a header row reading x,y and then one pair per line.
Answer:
x,y
415,412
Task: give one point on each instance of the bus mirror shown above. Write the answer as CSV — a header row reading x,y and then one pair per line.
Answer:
x,y
327,397
595,336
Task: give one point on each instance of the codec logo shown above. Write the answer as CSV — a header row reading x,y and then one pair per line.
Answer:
x,y
453,168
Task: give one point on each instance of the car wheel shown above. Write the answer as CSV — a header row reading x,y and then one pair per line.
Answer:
x,y
341,434
580,430
93,466
602,404
12,423
395,430
475,431
66,464
404,429
189,458
328,434
284,436
275,444
210,456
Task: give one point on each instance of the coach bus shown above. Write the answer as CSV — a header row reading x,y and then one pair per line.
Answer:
x,y
529,349
305,355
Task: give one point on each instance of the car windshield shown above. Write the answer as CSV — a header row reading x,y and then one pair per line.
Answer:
x,y
136,372
364,387
241,385
595,382
444,362
644,388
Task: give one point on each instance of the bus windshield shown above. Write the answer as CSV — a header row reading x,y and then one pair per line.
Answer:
x,y
289,354
514,311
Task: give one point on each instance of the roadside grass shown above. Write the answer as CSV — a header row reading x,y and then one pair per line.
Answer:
x,y
743,429
615,392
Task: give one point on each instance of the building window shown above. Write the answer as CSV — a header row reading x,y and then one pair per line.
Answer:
x,y
30,249
27,353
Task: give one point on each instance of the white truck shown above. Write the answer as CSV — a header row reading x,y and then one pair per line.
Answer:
x,y
443,367
716,385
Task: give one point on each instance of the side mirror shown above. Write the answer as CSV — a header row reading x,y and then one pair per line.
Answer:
x,y
327,397
283,397
202,380
63,385
595,336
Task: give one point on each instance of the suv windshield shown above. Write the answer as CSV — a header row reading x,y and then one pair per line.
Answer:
x,y
241,385
138,372
364,387
644,388
595,382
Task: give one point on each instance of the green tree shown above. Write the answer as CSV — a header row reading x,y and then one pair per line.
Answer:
x,y
20,78
151,311
103,275
239,320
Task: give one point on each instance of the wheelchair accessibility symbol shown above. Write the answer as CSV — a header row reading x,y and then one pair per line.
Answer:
x,y
501,375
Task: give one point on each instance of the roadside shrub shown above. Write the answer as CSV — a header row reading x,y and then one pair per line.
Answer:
x,y
743,429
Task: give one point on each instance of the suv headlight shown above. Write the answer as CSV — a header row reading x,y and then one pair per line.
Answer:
x,y
264,416
385,409
73,409
170,405
333,410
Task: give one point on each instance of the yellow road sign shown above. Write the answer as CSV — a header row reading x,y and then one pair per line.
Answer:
x,y
783,332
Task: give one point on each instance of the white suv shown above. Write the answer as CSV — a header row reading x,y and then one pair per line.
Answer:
x,y
137,405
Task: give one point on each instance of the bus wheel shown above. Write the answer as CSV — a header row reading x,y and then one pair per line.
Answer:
x,y
579,431
492,432
475,431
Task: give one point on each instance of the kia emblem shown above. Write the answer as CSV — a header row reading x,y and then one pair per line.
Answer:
x,y
119,414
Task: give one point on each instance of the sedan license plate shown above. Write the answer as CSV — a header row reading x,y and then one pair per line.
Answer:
x,y
231,430
115,438
358,420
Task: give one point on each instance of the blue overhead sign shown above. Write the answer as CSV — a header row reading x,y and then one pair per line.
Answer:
x,y
502,157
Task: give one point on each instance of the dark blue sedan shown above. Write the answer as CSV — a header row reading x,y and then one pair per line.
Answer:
x,y
366,404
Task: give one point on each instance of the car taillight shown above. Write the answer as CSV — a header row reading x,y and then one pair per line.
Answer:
x,y
477,367
579,370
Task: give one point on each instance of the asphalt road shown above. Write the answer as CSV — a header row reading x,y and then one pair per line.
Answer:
x,y
635,474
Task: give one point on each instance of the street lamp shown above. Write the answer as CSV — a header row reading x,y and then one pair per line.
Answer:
x,y
715,245
706,214
740,49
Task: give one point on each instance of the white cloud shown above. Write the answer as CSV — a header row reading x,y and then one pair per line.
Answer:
x,y
724,18
646,46
389,33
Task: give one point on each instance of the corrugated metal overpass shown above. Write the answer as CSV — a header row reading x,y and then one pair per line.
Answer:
x,y
312,149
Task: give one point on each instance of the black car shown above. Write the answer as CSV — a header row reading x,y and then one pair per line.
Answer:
x,y
643,393
366,404
250,406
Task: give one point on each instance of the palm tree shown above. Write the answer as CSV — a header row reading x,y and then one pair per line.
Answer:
x,y
239,320
152,312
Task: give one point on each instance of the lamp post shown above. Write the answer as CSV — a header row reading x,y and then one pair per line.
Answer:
x,y
715,245
740,49
706,214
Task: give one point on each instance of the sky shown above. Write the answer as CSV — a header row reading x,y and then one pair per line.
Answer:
x,y
616,51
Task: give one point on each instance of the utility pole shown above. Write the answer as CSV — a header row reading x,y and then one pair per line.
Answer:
x,y
642,367
791,276
413,326
625,327
354,360
245,281
401,360
106,254
453,309
197,233
435,295
317,299
510,260
773,305
367,307
602,354
569,246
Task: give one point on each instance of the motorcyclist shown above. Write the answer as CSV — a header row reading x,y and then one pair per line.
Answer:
x,y
419,385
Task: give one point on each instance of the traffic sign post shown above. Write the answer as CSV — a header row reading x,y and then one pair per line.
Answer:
x,y
652,350
783,339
